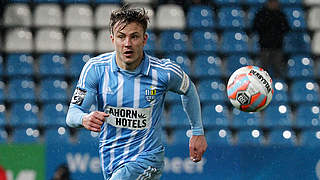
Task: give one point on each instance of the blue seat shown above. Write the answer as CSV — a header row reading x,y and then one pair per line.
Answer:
x,y
3,120
86,137
2,91
57,136
53,90
177,116
231,17
241,119
254,46
251,14
77,1
20,1
52,65
22,89
1,65
19,65
24,115
181,136
212,90
3,135
182,60
107,1
307,116
291,2
254,2
172,97
219,137
77,61
234,42
150,47
54,114
277,116
200,16
47,1
226,2
280,94
26,135
310,138
215,115
282,137
295,16
300,66
173,41
250,137
304,91
207,66
204,41
235,62
297,42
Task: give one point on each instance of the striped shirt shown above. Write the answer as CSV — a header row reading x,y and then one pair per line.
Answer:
x,y
135,103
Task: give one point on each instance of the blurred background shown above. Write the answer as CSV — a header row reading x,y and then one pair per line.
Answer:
x,y
45,43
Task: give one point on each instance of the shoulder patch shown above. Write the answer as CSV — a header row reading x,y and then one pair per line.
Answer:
x,y
78,96
185,83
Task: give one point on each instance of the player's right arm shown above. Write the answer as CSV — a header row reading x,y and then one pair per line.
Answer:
x,y
84,97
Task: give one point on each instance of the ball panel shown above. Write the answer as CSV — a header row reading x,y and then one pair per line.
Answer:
x,y
240,83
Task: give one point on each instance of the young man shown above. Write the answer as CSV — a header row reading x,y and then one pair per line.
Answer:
x,y
129,87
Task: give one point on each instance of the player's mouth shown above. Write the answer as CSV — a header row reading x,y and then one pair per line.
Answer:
x,y
128,53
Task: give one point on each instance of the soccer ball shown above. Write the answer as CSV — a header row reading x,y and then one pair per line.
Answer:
x,y
250,89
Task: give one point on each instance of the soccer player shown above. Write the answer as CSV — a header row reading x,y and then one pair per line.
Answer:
x,y
129,87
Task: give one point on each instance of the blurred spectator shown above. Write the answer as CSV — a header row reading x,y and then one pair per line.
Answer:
x,y
3,175
62,173
271,25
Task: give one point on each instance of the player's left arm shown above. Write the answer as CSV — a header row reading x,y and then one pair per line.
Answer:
x,y
181,84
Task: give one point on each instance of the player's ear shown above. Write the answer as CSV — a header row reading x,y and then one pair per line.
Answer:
x,y
112,38
145,38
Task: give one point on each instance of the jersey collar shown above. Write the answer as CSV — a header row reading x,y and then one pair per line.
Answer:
x,y
145,64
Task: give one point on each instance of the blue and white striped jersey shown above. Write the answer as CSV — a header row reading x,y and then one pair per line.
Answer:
x,y
135,103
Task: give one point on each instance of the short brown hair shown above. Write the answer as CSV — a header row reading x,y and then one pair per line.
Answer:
x,y
126,15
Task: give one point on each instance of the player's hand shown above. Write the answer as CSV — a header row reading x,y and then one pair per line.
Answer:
x,y
94,120
197,146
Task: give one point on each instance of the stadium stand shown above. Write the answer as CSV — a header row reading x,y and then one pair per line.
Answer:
x,y
219,137
170,16
250,137
207,66
48,15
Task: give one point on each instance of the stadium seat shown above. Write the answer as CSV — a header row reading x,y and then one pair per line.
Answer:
x,y
213,89
207,66
182,60
313,18
300,66
84,15
76,1
49,40
2,91
150,47
280,94
234,62
46,15
102,14
181,136
47,1
18,40
215,115
310,138
54,114
17,14
173,41
77,61
304,91
234,42
21,90
170,16
19,65
291,2
1,64
315,44
231,17
252,11
311,2
307,116
279,115
26,135
254,2
241,119
104,43
250,137
297,42
295,16
138,1
52,65
24,114
80,40
3,135
107,1
219,137
226,2
200,16
53,90
3,117
204,41
254,46
86,137
177,116
282,137
57,136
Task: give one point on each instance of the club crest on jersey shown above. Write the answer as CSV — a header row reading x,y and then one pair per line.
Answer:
x,y
150,94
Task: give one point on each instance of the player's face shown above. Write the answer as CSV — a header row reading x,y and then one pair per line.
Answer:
x,y
129,42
